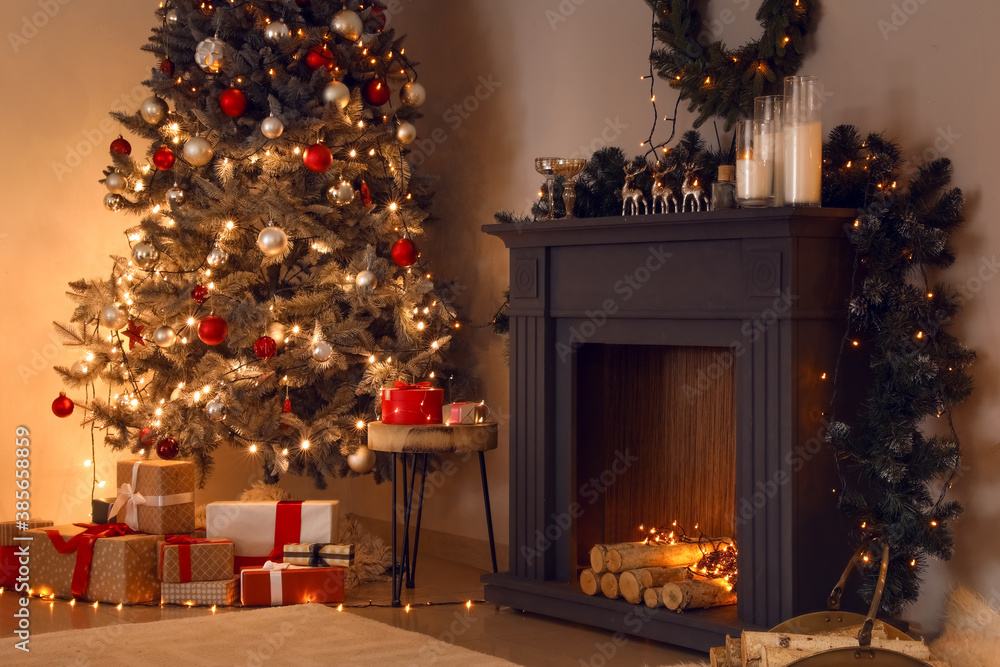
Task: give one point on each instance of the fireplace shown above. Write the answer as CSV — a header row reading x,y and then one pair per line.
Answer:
x,y
675,368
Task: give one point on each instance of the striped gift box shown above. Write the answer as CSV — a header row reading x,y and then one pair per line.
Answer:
x,y
9,530
319,555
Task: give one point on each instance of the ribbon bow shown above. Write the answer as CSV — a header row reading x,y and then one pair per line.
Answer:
x,y
130,500
271,565
415,385
83,545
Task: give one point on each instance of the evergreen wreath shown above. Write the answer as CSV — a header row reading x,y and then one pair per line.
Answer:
x,y
721,82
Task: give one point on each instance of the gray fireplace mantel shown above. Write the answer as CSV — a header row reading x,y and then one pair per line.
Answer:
x,y
769,284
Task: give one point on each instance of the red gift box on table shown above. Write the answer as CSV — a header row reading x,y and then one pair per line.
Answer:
x,y
280,584
412,404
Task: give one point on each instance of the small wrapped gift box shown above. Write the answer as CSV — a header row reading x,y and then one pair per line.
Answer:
x,y
260,530
98,563
280,584
412,404
319,555
464,413
100,510
155,497
222,592
9,530
186,559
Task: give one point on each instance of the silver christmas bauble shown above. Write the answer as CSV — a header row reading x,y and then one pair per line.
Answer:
x,y
272,241
217,257
337,93
153,110
413,94
341,195
172,17
175,195
116,183
366,280
78,369
123,401
347,24
216,410
145,255
165,336
361,460
406,133
113,317
198,151
208,54
276,31
113,202
321,351
272,127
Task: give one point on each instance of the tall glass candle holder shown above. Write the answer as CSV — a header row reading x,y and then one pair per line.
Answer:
x,y
770,108
754,163
803,141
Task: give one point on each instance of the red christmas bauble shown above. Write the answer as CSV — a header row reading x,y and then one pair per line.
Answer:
x,y
320,55
404,252
199,293
62,406
147,436
376,92
167,66
265,347
121,146
213,330
233,102
166,449
164,158
366,194
377,18
317,158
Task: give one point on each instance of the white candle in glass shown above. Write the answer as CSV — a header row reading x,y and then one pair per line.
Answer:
x,y
753,178
779,167
803,163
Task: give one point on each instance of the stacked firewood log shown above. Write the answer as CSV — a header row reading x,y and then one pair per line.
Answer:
x,y
657,575
778,649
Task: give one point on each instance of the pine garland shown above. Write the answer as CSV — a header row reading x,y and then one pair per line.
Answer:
x,y
918,369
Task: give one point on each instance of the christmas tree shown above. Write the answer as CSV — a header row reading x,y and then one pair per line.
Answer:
x,y
271,286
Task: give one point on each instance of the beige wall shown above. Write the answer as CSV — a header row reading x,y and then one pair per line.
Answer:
x,y
561,76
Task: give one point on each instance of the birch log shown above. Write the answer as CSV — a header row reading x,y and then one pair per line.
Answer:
x,y
634,555
718,657
588,582
734,651
653,597
633,583
609,585
599,555
682,595
754,642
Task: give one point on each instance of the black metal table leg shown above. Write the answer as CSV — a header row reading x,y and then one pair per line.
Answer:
x,y
420,510
392,521
489,514
408,486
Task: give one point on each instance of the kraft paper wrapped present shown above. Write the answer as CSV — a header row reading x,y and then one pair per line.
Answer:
x,y
464,413
261,529
108,563
319,555
155,497
186,559
9,530
412,404
222,592
280,583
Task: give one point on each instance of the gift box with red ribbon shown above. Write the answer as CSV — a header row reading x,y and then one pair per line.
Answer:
x,y
100,563
10,548
221,592
260,529
155,497
280,584
412,404
185,559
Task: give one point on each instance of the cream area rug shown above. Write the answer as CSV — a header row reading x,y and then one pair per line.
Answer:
x,y
307,635
971,636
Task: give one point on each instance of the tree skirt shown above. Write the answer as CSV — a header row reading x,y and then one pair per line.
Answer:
x,y
302,635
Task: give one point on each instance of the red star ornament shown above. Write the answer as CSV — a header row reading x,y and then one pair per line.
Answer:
x,y
134,333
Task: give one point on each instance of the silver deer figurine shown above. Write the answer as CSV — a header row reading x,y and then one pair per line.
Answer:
x,y
630,193
691,188
662,194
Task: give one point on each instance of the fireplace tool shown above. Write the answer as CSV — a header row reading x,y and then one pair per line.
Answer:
x,y
864,655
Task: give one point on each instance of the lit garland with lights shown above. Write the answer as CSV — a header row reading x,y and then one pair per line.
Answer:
x,y
719,556
263,304
918,369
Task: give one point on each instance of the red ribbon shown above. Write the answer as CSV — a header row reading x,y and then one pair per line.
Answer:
x,y
83,545
287,527
416,385
183,544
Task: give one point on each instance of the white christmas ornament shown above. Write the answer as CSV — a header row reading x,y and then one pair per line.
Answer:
x,y
406,133
362,460
272,241
216,410
217,257
153,110
321,351
145,255
113,202
366,280
175,195
198,151
413,94
116,183
113,317
341,195
347,24
78,369
276,31
337,93
165,336
208,54
272,127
